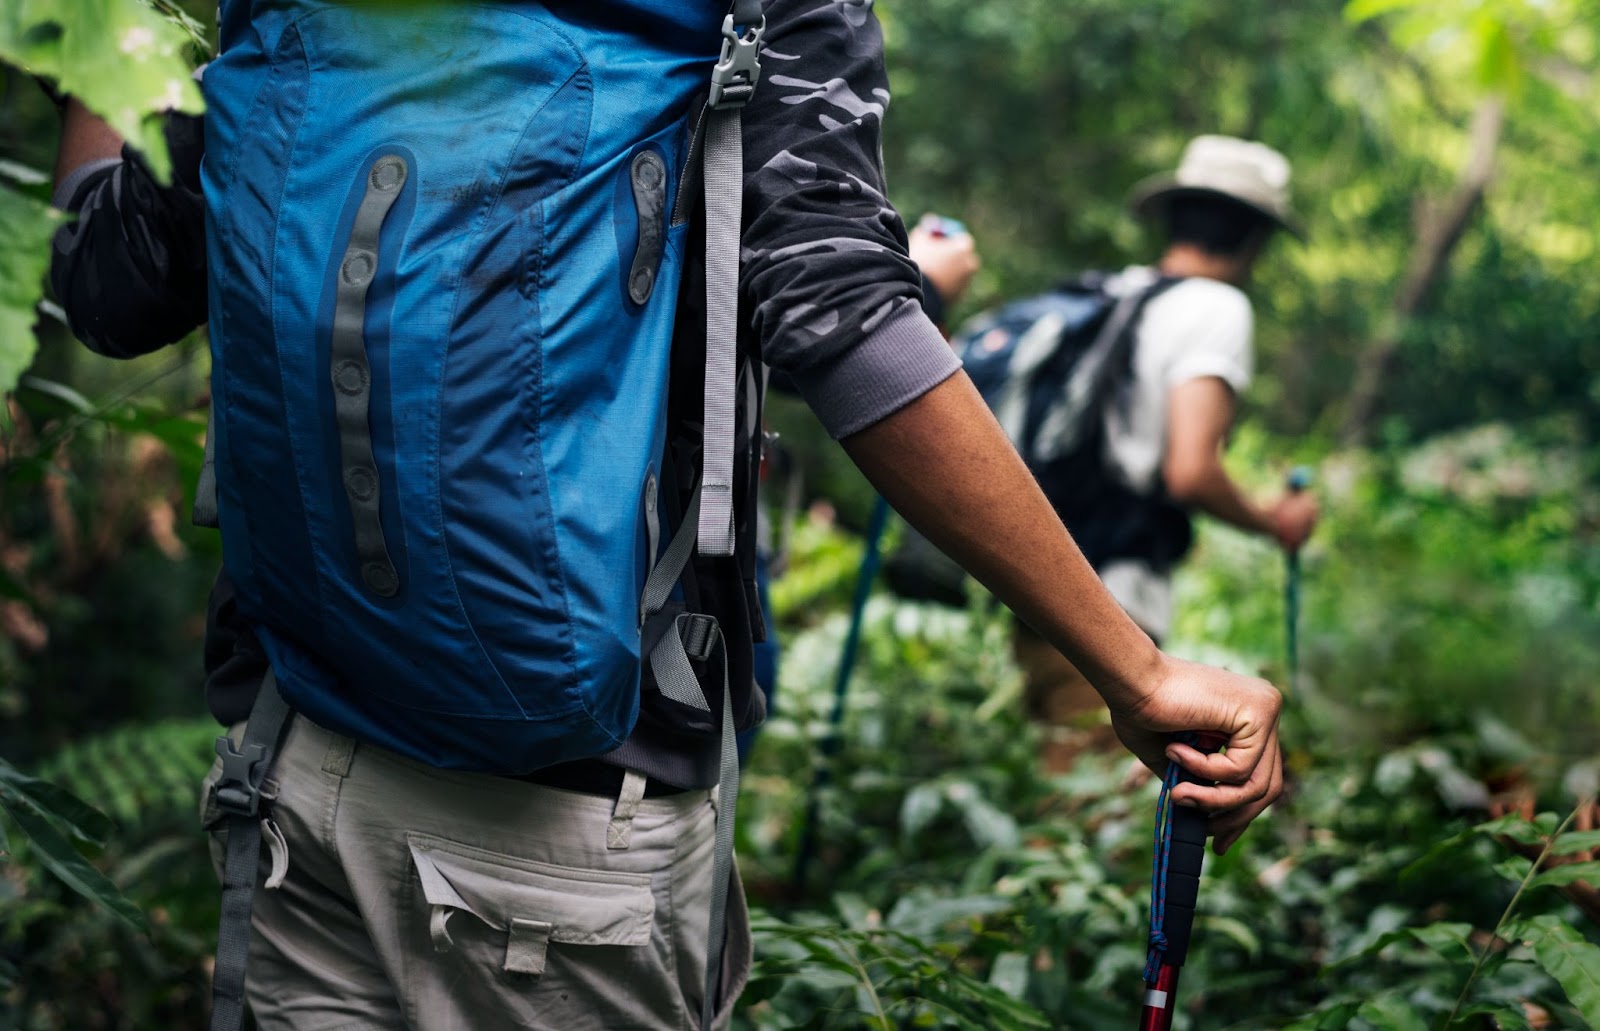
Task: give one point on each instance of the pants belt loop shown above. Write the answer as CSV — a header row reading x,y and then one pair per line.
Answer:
x,y
620,834
341,753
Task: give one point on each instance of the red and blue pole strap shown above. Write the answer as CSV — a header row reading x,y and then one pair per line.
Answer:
x,y
1174,888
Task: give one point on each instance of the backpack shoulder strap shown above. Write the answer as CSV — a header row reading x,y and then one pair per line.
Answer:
x,y
1089,386
733,82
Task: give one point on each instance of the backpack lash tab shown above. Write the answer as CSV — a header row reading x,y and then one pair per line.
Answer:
x,y
648,175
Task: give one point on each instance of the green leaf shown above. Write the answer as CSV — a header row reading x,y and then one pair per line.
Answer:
x,y
26,227
1565,955
61,859
1576,841
122,59
82,821
1513,868
1557,876
921,804
1392,1013
1524,832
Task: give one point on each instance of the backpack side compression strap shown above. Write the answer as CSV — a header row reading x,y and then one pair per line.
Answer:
x,y
238,793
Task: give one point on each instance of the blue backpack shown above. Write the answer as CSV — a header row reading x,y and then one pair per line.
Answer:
x,y
482,484
446,246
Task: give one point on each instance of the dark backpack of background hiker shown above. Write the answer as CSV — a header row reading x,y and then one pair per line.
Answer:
x,y
1048,366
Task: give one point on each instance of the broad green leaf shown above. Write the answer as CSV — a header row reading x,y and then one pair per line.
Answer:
x,y
1524,832
1576,841
26,227
1568,957
1392,1013
122,59
1557,876
61,859
81,820
1513,868
1507,1016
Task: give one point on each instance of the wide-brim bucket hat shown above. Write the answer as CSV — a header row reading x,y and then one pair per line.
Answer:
x,y
1251,173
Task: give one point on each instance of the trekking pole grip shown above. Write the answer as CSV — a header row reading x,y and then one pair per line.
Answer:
x,y
1189,832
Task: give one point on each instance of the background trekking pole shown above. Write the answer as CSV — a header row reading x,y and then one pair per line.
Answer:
x,y
1174,888
847,661
1299,479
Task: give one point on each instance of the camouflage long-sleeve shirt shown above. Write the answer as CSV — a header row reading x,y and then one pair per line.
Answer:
x,y
826,280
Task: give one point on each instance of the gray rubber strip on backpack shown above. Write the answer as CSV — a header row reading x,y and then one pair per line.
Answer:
x,y
724,190
352,374
269,718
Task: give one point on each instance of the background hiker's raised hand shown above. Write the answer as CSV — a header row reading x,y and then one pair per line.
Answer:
x,y
1187,696
1293,519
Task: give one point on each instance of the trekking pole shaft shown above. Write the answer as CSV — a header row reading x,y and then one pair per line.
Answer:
x,y
841,687
1299,479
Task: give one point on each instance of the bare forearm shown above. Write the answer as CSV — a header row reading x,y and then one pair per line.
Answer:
x,y
944,464
85,137
1212,491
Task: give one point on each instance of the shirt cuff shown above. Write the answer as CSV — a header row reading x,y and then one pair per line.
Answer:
x,y
65,193
897,363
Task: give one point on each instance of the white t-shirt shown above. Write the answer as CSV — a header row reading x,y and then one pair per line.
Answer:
x,y
1197,328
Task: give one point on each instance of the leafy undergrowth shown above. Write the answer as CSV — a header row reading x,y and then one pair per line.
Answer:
x,y
1378,895
955,887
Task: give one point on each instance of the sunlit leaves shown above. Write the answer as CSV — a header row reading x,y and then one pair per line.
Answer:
x,y
122,59
1498,41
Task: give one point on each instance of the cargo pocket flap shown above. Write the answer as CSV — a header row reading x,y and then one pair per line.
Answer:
x,y
532,902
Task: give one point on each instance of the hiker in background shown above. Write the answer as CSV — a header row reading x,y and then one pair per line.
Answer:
x,y
831,297
1168,411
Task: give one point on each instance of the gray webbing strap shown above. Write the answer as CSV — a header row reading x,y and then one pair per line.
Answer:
x,y
205,490
658,585
352,374
238,793
699,636
724,188
733,83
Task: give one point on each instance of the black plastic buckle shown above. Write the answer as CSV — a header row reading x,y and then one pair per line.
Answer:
x,y
699,634
237,792
733,80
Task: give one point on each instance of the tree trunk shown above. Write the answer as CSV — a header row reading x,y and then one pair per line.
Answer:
x,y
1439,229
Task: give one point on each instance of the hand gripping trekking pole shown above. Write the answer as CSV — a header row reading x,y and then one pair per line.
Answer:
x,y
1299,479
1174,887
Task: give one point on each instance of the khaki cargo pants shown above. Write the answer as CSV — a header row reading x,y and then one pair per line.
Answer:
x,y
395,895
